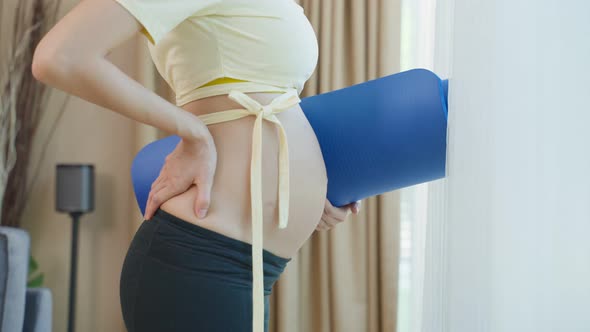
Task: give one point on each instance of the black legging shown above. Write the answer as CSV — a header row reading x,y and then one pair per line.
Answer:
x,y
178,276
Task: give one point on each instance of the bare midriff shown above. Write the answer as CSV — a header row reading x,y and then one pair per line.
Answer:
x,y
230,207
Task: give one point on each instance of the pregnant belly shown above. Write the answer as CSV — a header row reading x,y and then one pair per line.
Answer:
x,y
230,210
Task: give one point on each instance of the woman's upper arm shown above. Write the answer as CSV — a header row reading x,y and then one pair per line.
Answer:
x,y
91,28
94,27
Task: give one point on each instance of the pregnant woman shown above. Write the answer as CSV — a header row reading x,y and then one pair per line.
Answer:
x,y
248,167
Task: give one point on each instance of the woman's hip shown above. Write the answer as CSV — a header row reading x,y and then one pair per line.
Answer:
x,y
179,276
159,296
200,252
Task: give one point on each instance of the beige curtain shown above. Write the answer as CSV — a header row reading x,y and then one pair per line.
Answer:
x,y
346,279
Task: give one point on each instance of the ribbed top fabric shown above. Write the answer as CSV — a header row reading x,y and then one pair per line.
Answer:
x,y
268,43
259,46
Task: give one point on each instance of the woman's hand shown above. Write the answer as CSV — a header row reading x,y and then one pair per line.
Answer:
x,y
193,162
334,215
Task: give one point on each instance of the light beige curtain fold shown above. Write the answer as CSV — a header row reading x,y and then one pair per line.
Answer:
x,y
346,279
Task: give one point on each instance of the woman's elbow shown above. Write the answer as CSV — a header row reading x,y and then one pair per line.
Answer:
x,y
39,68
51,66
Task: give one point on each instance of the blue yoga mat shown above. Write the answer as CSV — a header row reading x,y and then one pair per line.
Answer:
x,y
375,137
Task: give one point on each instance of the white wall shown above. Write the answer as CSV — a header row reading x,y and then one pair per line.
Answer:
x,y
518,238
417,51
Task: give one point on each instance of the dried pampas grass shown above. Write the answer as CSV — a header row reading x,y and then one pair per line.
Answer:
x,y
22,99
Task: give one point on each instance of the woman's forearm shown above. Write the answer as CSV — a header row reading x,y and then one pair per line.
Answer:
x,y
99,81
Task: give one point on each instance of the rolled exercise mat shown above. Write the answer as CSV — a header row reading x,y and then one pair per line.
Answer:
x,y
375,137
381,135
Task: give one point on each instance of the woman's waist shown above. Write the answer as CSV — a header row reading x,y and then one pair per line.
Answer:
x,y
230,209
218,103
234,145
234,139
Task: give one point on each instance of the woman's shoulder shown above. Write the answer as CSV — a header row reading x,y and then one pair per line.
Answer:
x,y
158,17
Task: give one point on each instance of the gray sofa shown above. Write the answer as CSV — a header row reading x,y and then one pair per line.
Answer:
x,y
21,308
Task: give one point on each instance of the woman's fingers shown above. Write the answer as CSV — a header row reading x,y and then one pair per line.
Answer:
x,y
333,212
328,222
158,180
146,213
333,215
203,198
322,226
332,219
355,207
190,163
160,194
148,206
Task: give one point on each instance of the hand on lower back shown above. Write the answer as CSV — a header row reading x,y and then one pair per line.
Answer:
x,y
334,215
191,163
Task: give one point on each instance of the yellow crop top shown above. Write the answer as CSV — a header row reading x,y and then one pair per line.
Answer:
x,y
211,47
269,43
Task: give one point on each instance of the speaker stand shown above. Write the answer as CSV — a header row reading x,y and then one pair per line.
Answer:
x,y
73,269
